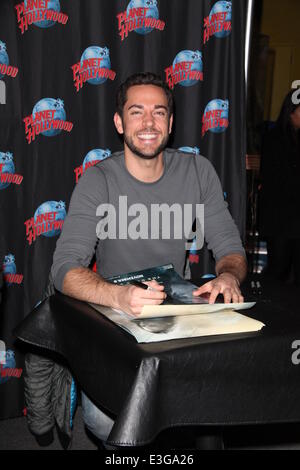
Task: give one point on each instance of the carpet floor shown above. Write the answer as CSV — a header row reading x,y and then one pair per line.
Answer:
x,y
14,435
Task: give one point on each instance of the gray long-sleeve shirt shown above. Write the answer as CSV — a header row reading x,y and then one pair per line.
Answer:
x,y
136,237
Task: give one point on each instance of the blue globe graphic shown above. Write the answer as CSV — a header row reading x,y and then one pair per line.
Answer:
x,y
51,104
51,206
52,5
6,159
222,7
152,12
95,155
96,52
10,363
221,105
194,150
9,266
189,56
3,56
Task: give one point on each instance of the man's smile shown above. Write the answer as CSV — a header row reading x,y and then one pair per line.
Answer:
x,y
148,136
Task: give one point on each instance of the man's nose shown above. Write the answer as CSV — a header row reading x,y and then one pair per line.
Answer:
x,y
148,119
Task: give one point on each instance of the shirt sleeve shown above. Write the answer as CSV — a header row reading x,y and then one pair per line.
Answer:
x,y
220,231
78,240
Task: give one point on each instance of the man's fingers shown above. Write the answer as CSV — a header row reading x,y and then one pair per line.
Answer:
x,y
152,294
227,296
155,285
146,294
214,294
207,287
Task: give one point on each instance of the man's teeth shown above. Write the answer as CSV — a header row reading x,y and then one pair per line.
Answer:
x,y
147,136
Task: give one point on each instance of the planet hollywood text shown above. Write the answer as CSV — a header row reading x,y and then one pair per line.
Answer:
x,y
181,72
44,121
136,18
213,120
41,224
90,69
215,23
8,70
34,11
9,177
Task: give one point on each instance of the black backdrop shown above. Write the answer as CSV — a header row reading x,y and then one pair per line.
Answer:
x,y
41,58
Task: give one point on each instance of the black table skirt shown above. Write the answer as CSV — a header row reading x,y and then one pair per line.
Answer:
x,y
217,380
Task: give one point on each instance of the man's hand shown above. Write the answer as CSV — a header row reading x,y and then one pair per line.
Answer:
x,y
131,299
226,284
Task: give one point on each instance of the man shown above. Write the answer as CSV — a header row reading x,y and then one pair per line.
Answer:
x,y
144,173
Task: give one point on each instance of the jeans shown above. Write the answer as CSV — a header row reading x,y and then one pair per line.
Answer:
x,y
95,420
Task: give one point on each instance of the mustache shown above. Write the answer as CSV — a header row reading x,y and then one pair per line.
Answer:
x,y
148,130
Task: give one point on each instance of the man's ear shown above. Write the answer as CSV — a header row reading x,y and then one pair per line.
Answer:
x,y
118,123
170,123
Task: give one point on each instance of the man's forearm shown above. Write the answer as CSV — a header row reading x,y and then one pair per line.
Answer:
x,y
234,264
84,284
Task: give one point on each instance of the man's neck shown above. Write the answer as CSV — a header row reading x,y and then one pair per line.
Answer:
x,y
142,169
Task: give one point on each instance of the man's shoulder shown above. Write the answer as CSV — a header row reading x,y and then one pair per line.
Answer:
x,y
113,160
101,168
185,158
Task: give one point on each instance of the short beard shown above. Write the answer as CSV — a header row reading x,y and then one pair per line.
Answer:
x,y
140,154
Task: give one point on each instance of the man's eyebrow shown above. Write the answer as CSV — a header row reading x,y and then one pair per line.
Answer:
x,y
140,106
161,106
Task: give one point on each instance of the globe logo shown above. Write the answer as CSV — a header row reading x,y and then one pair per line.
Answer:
x,y
152,12
46,208
10,363
50,104
95,156
7,165
194,150
51,5
222,7
4,60
96,52
195,57
217,110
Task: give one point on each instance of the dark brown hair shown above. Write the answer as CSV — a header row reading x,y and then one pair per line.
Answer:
x,y
142,78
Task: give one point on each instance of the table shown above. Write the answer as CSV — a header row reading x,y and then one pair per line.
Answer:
x,y
210,381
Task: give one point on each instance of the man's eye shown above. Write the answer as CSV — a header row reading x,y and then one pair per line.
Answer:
x,y
160,113
135,112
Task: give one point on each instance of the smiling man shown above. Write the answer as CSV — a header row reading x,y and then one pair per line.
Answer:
x,y
147,175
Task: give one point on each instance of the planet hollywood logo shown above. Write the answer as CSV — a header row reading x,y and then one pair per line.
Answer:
x,y
41,13
91,159
7,171
48,118
5,68
10,271
186,70
215,117
141,16
218,23
47,221
8,367
94,67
